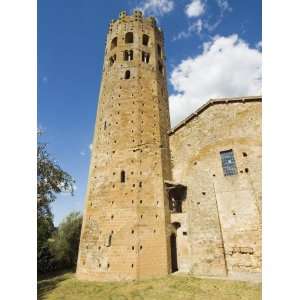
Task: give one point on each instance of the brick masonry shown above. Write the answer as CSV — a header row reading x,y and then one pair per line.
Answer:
x,y
223,213
128,220
124,233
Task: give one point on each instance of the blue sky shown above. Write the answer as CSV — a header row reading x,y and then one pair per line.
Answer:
x,y
213,49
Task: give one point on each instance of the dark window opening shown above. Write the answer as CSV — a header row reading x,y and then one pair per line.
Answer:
x,y
184,233
228,163
109,240
245,154
114,43
128,55
129,37
112,59
104,125
127,74
159,50
160,67
173,245
145,39
122,176
145,57
177,194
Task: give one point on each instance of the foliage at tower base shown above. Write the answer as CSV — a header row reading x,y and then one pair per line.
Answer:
x,y
64,242
53,244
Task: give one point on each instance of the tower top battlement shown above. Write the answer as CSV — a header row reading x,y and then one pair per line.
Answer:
x,y
137,16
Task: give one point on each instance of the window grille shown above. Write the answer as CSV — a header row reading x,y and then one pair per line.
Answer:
x,y
228,163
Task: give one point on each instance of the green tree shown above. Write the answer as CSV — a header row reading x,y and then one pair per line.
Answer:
x,y
65,241
51,180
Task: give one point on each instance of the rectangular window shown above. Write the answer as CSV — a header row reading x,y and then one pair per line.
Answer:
x,y
228,163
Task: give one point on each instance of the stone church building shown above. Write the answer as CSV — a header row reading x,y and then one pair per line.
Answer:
x,y
162,200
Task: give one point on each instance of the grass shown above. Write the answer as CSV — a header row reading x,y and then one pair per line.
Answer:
x,y
66,287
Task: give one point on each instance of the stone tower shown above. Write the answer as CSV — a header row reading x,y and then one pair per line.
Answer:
x,y
125,227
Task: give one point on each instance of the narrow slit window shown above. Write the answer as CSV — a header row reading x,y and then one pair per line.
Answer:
x,y
114,43
129,37
160,67
145,39
158,50
122,176
127,74
145,57
104,125
228,163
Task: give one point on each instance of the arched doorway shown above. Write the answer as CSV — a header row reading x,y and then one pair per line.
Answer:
x,y
173,244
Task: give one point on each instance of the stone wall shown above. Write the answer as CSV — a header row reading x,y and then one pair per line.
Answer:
x,y
128,229
223,214
124,233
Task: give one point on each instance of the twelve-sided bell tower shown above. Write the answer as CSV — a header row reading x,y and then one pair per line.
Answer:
x,y
124,234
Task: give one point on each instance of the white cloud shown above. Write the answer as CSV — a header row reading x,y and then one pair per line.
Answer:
x,y
224,5
227,67
156,7
195,27
194,9
91,147
259,45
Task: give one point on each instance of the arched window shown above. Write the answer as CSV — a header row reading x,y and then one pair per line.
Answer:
x,y
129,37
114,43
145,57
127,74
128,55
145,39
122,176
